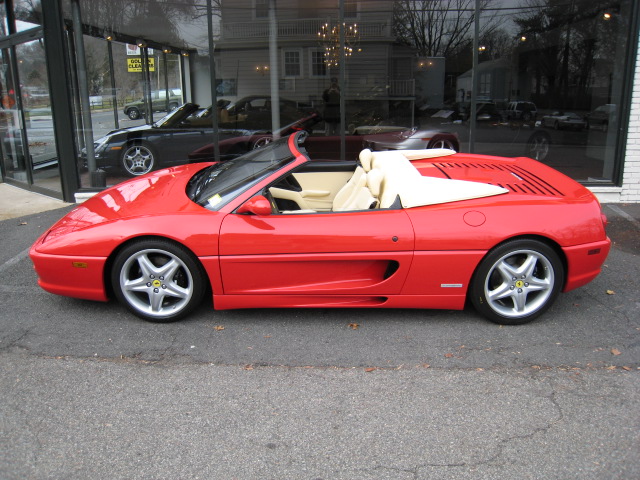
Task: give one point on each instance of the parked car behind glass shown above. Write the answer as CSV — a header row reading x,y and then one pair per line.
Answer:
x,y
135,110
520,110
601,117
560,120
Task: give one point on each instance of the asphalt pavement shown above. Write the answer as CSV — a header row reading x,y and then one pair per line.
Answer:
x,y
89,391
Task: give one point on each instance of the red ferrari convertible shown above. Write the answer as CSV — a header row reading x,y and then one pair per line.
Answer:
x,y
394,229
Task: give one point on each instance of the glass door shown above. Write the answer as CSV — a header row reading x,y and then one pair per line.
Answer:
x,y
27,136
13,153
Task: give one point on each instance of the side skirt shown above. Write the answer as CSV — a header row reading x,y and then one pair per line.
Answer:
x,y
448,302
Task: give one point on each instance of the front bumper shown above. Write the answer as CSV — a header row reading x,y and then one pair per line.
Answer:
x,y
76,276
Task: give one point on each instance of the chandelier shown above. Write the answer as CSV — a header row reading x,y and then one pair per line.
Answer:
x,y
329,38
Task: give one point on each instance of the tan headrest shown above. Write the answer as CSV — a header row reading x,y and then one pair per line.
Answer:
x,y
365,159
374,181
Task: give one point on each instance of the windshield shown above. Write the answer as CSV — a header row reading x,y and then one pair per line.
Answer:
x,y
218,184
176,114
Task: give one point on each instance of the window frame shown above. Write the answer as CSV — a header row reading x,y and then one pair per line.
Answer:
x,y
300,63
311,51
256,4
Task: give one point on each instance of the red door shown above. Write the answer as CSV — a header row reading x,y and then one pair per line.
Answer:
x,y
347,253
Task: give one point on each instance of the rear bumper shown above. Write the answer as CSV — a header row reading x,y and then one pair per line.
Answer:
x,y
584,263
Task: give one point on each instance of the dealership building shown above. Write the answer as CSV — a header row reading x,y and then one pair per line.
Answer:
x,y
555,80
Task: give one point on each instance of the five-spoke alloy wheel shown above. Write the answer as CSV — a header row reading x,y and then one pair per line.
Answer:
x,y
158,280
442,143
538,146
138,159
517,281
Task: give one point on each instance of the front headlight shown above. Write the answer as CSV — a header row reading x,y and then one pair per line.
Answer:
x,y
100,144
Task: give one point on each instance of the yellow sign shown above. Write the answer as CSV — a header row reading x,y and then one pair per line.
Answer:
x,y
134,64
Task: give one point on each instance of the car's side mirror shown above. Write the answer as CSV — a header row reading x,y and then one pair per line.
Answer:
x,y
257,205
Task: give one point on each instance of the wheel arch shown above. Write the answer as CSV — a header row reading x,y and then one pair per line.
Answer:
x,y
106,274
517,312
541,238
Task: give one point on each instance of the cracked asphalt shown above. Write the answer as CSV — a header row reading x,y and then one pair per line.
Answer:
x,y
89,391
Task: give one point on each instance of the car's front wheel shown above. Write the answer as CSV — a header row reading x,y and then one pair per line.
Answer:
x,y
517,281
138,158
158,280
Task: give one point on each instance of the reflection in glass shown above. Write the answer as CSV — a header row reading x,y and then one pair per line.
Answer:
x,y
549,77
29,152
554,75
38,116
13,154
28,14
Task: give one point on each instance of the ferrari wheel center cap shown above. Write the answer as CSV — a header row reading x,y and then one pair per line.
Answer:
x,y
519,284
156,283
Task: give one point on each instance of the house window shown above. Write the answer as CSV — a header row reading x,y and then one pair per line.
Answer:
x,y
351,9
261,8
318,66
485,85
292,63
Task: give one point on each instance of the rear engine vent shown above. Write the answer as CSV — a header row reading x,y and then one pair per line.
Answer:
x,y
511,177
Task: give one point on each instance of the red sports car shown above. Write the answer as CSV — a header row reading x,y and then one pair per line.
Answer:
x,y
273,229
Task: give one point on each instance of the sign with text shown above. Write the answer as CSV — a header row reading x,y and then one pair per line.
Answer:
x,y
134,64
133,49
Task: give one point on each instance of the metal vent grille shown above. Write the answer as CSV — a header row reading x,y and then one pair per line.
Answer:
x,y
511,177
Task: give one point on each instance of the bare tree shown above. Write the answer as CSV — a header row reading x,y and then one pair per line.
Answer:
x,y
566,40
437,28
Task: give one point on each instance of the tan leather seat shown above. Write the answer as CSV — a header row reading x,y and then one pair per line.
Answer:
x,y
345,197
366,197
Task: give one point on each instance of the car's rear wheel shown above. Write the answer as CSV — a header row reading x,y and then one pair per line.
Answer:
x,y
261,142
442,143
158,280
538,146
133,113
138,158
517,281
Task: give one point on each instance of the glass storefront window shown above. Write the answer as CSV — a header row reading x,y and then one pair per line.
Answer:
x,y
381,74
27,135
551,83
38,116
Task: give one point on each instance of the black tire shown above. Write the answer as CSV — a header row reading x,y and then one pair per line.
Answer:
x,y
517,281
133,113
158,280
138,158
172,106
